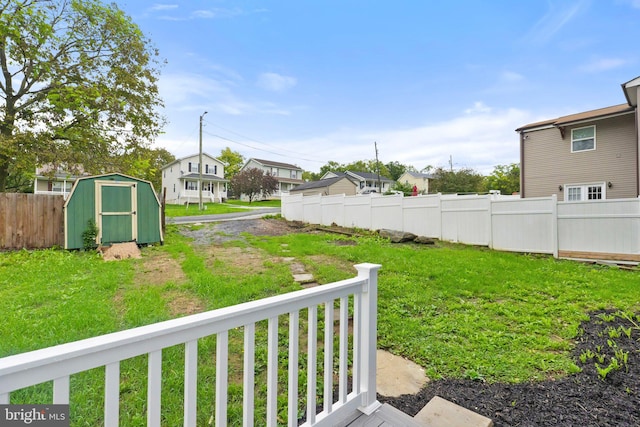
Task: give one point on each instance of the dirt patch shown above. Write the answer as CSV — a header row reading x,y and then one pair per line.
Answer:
x,y
119,251
237,260
583,399
158,269
182,304
224,231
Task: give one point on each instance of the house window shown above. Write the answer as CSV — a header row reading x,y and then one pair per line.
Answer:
x,y
274,171
206,168
576,193
583,139
174,187
215,169
294,174
191,185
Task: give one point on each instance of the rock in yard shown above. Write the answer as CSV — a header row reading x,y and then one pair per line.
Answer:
x,y
397,236
424,240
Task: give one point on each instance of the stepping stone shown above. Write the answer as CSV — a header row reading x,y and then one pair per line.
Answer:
x,y
288,259
396,376
441,412
303,278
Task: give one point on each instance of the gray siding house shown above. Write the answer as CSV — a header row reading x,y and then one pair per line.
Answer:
x,y
591,155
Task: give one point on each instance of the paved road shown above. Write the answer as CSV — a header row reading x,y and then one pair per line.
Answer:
x,y
249,214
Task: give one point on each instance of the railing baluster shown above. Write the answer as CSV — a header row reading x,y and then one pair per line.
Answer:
x,y
272,372
190,383
249,374
357,339
222,367
328,356
61,391
344,349
112,395
154,388
312,355
294,330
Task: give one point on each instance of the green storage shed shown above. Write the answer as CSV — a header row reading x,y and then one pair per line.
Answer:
x,y
124,208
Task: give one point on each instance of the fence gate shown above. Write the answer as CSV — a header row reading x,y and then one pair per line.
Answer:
x,y
116,207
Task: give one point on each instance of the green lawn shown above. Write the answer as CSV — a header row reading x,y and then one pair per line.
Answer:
x,y
230,206
459,311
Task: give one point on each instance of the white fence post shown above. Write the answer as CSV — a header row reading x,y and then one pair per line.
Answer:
x,y
369,336
554,225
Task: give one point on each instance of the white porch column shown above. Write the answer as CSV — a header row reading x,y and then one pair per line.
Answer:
x,y
369,337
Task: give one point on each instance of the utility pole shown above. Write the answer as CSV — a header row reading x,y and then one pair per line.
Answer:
x,y
200,165
375,144
451,162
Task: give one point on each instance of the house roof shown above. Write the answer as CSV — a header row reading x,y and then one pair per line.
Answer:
x,y
205,176
192,155
630,91
369,176
600,113
320,184
275,164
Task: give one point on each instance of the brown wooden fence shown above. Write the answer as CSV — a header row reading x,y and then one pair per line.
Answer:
x,y
31,221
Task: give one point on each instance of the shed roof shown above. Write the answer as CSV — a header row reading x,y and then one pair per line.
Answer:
x,y
327,182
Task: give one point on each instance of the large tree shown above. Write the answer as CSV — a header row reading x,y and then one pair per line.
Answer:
x,y
78,85
455,181
505,178
253,183
233,162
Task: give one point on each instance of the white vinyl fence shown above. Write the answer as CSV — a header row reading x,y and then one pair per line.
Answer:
x,y
598,229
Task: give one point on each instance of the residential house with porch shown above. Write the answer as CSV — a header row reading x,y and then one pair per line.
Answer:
x,y
288,176
181,179
56,180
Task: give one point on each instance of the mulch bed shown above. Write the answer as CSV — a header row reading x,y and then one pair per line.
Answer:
x,y
583,399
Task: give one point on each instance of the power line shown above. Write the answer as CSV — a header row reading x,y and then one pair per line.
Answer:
x,y
262,149
260,142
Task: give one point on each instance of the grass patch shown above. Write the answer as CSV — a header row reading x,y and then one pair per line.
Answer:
x,y
466,312
459,311
230,206
193,209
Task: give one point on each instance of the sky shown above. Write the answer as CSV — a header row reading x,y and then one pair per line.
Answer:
x,y
430,83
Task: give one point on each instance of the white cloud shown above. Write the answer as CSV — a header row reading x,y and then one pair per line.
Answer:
x,y
478,107
275,82
480,138
554,20
511,77
603,64
158,6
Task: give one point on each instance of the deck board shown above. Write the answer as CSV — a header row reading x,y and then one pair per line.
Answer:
x,y
385,416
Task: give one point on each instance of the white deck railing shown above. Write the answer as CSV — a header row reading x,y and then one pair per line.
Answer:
x,y
356,380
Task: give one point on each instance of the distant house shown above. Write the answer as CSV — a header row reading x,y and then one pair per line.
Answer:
x,y
367,181
56,180
288,176
182,176
417,179
591,155
326,187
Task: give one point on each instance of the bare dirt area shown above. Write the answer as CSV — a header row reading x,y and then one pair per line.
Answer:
x,y
224,231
